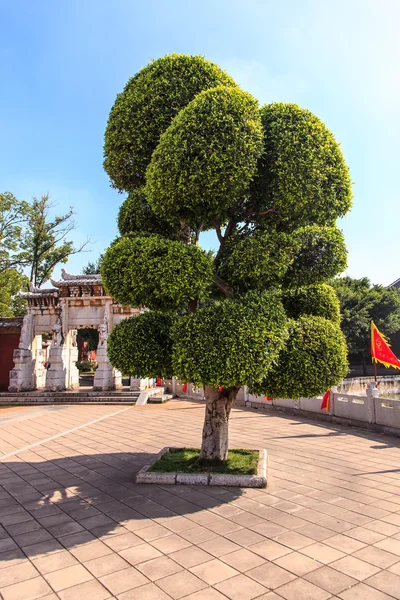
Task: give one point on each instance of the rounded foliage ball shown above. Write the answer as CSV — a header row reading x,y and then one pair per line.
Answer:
x,y
156,272
319,254
230,343
136,216
205,160
302,172
145,109
255,261
313,360
319,300
141,346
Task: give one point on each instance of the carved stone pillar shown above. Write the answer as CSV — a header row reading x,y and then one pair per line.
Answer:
x,y
103,377
22,375
57,372
73,382
40,371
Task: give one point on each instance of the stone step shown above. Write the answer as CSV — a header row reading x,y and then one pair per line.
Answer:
x,y
18,401
160,399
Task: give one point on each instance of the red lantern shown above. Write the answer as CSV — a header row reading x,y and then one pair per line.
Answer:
x,y
184,387
158,381
220,388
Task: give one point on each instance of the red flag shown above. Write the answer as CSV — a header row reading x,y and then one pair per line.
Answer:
x,y
268,398
380,349
326,401
184,387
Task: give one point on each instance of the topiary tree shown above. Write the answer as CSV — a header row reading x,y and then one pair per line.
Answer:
x,y
195,152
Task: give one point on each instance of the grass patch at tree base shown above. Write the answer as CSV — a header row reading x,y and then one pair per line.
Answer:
x,y
186,460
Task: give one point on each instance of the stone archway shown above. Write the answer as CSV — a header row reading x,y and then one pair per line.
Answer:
x,y
75,302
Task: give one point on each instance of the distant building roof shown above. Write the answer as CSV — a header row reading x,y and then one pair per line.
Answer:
x,y
395,284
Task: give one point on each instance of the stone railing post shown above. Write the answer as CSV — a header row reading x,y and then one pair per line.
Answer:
x,y
372,393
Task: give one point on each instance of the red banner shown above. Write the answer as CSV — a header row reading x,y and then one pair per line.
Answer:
x,y
380,349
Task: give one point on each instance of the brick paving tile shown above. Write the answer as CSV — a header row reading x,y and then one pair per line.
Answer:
x,y
206,594
331,580
240,588
270,530
361,591
213,571
89,551
270,549
294,540
139,554
382,528
302,590
149,591
68,577
365,535
106,564
12,558
159,567
26,590
386,582
243,560
323,553
54,561
395,568
7,544
33,537
245,537
344,544
270,575
354,567
219,546
298,563
171,543
376,556
42,548
190,557
17,573
270,596
390,545
154,532
121,542
181,584
122,581
91,589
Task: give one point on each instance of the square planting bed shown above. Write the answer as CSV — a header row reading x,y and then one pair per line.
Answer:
x,y
258,480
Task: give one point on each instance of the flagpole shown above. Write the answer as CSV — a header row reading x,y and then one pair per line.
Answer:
x,y
374,370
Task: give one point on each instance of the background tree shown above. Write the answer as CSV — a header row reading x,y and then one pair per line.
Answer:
x,y
360,303
44,242
189,145
92,268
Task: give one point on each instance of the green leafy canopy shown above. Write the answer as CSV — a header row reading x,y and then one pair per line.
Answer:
x,y
195,152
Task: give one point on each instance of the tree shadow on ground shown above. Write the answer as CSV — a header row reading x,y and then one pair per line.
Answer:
x,y
65,503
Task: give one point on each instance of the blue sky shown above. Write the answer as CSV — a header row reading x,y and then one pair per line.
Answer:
x,y
62,64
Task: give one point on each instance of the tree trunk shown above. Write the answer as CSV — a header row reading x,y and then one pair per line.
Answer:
x,y
215,441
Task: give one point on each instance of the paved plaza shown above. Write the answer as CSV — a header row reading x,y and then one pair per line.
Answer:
x,y
75,525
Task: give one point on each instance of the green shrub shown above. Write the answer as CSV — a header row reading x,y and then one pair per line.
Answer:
x,y
255,261
313,360
136,216
302,172
319,254
86,366
205,160
145,109
318,300
141,346
230,343
156,272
